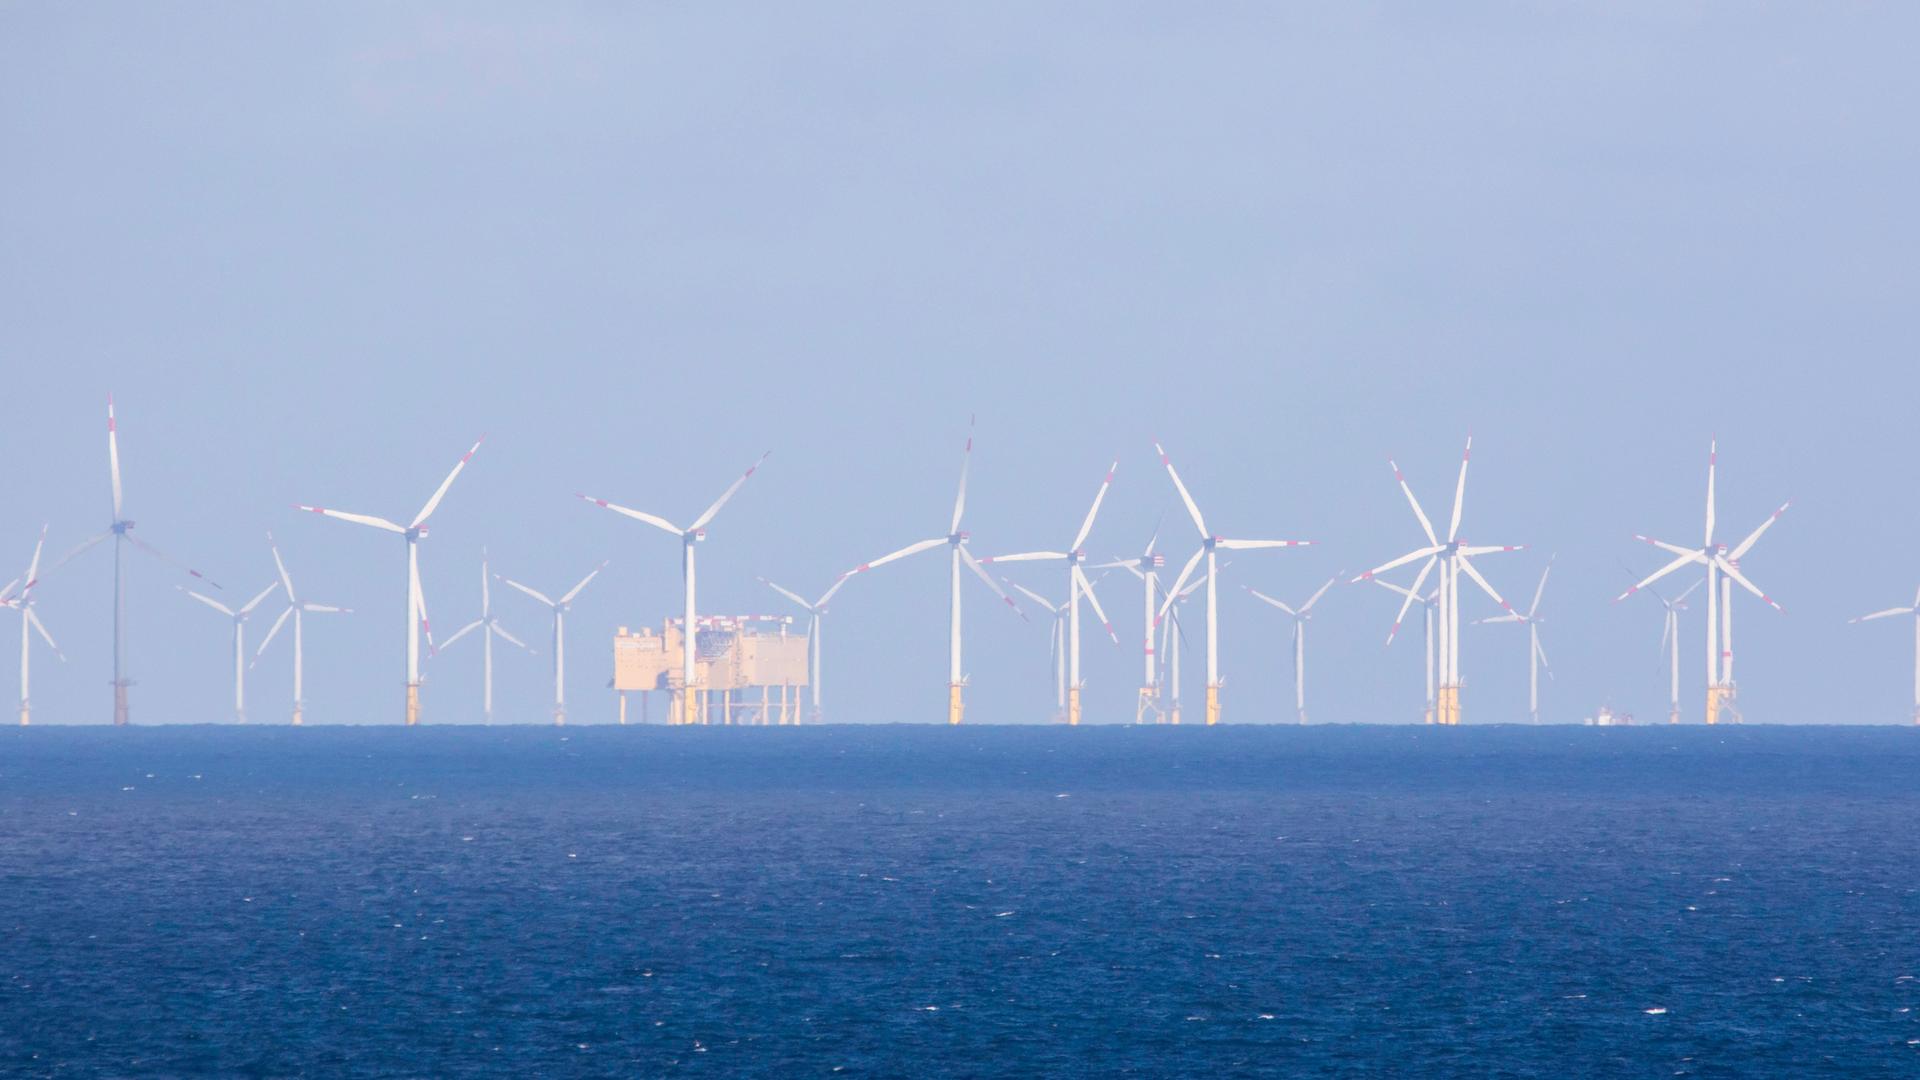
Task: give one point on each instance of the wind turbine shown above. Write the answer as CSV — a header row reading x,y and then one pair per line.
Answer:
x,y
489,628
1670,643
1453,557
1429,606
816,617
239,618
1055,638
1300,616
296,607
1913,610
689,536
121,530
1208,545
958,554
1536,656
1723,568
29,624
416,600
1077,583
1146,567
560,608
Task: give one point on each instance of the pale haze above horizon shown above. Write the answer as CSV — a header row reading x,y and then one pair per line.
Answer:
x,y
314,253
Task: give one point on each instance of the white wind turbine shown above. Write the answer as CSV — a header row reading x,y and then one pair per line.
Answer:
x,y
816,618
1077,583
1452,556
1913,611
1208,545
958,554
1670,644
689,536
29,624
121,532
490,628
1300,616
1429,605
559,608
1536,656
239,619
1056,635
1723,569
1146,567
297,608
416,600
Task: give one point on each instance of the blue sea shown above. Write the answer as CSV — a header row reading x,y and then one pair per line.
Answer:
x,y
975,901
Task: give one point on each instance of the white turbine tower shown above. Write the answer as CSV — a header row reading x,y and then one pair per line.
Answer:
x,y
1301,616
1146,567
1429,605
1723,569
297,608
1077,583
29,624
689,536
490,628
1536,656
1209,543
239,619
121,532
559,608
1913,611
1056,637
816,618
1453,557
1670,644
958,554
416,601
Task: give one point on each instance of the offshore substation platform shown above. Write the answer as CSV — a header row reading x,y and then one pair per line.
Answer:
x,y
748,669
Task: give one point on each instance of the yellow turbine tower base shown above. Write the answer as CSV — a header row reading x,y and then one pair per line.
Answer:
x,y
689,707
955,707
1446,706
1145,703
1722,699
1673,717
1916,716
1073,707
297,718
1213,704
413,704
26,718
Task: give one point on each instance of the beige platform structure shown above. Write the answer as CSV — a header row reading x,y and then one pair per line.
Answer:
x,y
748,669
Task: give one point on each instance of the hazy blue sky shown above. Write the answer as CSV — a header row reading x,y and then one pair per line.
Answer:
x,y
315,252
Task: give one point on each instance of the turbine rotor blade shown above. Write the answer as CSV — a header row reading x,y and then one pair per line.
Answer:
x,y
789,595
460,633
441,492
1186,571
1028,556
637,515
1881,615
261,595
974,565
1484,587
33,618
1048,605
1193,510
113,457
1086,526
286,580
1425,525
1258,545
910,549
1728,568
575,591
1460,493
502,631
1411,594
1682,560
535,593
358,519
701,521
1395,564
207,600
1258,595
966,464
1087,587
1747,545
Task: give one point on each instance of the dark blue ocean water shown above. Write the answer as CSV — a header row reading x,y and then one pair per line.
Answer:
x,y
971,902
